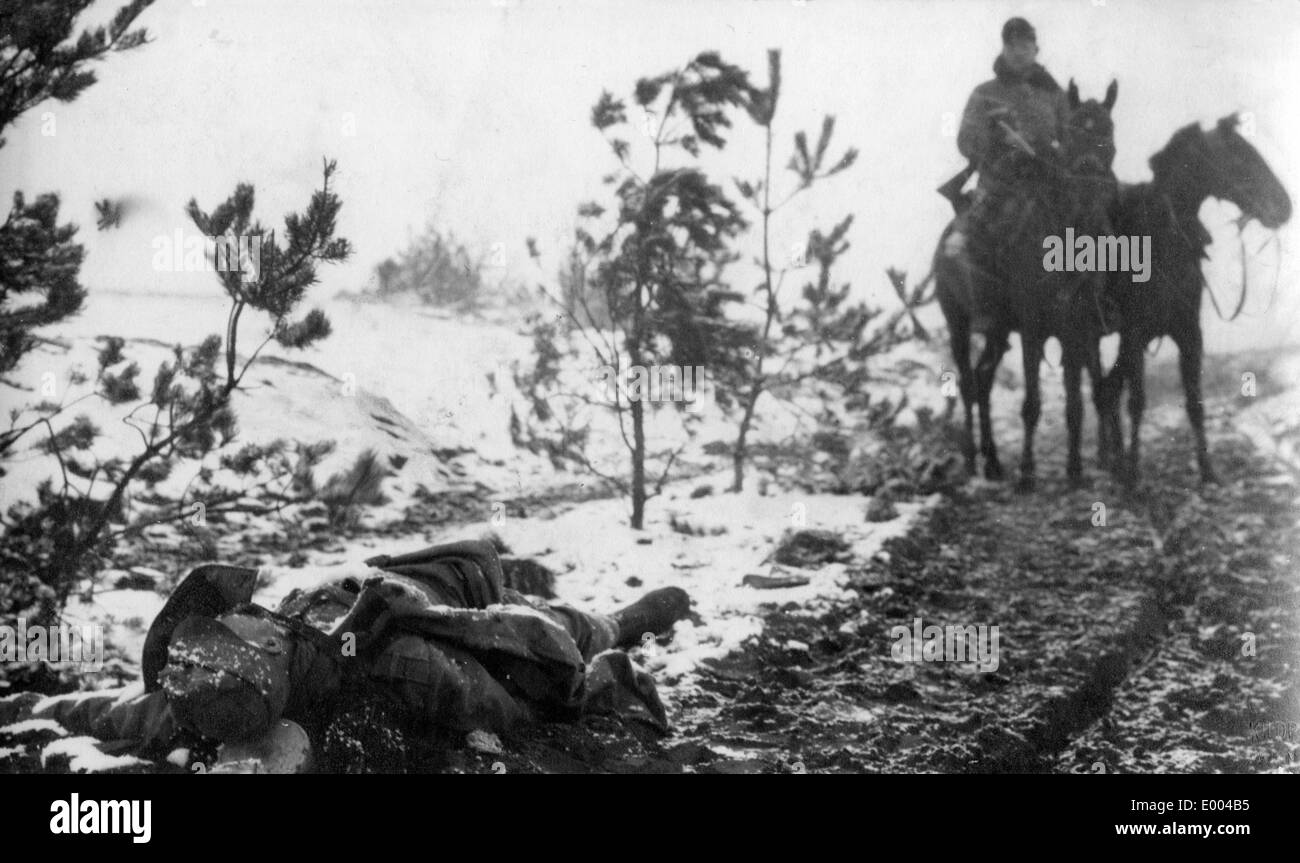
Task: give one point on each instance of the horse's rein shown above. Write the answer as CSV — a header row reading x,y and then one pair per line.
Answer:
x,y
1233,187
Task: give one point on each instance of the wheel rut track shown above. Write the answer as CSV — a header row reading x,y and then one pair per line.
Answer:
x,y
1090,614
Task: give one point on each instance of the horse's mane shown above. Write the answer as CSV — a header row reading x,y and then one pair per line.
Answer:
x,y
1144,208
1167,158
1147,208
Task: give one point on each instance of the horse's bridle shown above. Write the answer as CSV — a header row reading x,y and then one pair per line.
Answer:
x,y
1233,186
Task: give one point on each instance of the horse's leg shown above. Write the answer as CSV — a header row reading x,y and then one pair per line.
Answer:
x,y
1188,340
1132,367
952,287
959,330
1073,369
1032,355
1107,391
995,345
1106,424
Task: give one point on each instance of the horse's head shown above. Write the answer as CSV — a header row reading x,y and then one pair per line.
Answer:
x,y
1089,142
1222,164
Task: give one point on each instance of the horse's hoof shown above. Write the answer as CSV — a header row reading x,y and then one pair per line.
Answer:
x,y
993,471
1078,481
1025,484
1209,477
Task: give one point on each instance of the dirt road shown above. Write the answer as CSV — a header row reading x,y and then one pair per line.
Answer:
x,y
1156,631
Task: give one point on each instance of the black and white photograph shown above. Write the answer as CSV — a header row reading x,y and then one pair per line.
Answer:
x,y
650,387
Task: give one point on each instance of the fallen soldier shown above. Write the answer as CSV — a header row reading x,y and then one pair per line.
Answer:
x,y
434,636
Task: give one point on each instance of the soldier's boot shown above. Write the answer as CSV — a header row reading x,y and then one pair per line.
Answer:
x,y
656,612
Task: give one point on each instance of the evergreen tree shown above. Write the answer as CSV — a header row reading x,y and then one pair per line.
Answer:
x,y
817,343
188,413
40,60
656,254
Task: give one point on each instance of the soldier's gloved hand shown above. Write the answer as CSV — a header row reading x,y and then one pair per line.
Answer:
x,y
1005,123
1001,113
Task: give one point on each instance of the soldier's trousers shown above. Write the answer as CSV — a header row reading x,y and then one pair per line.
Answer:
x,y
593,633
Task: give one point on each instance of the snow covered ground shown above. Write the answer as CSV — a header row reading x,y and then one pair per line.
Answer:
x,y
398,381
437,391
601,565
1273,422
433,388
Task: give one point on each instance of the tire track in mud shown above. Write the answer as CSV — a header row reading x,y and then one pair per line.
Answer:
x,y
1121,645
1124,644
1221,693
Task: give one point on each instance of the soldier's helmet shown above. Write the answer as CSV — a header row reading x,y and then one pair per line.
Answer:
x,y
232,677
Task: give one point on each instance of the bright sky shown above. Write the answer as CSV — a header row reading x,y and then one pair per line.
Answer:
x,y
476,115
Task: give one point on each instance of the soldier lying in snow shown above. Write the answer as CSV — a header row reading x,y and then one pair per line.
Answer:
x,y
434,632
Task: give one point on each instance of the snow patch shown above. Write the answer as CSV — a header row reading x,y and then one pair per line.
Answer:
x,y
85,757
603,565
27,725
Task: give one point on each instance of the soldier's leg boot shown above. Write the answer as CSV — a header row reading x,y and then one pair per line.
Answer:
x,y
656,612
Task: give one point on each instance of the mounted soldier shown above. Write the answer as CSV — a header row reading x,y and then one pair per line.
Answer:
x,y
1044,158
1011,129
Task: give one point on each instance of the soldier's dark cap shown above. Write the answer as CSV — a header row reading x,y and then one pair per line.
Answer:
x,y
1018,30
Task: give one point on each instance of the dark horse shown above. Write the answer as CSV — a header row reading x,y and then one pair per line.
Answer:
x,y
1018,293
1193,166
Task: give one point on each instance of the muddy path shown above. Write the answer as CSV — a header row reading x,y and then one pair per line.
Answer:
x,y
1121,645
